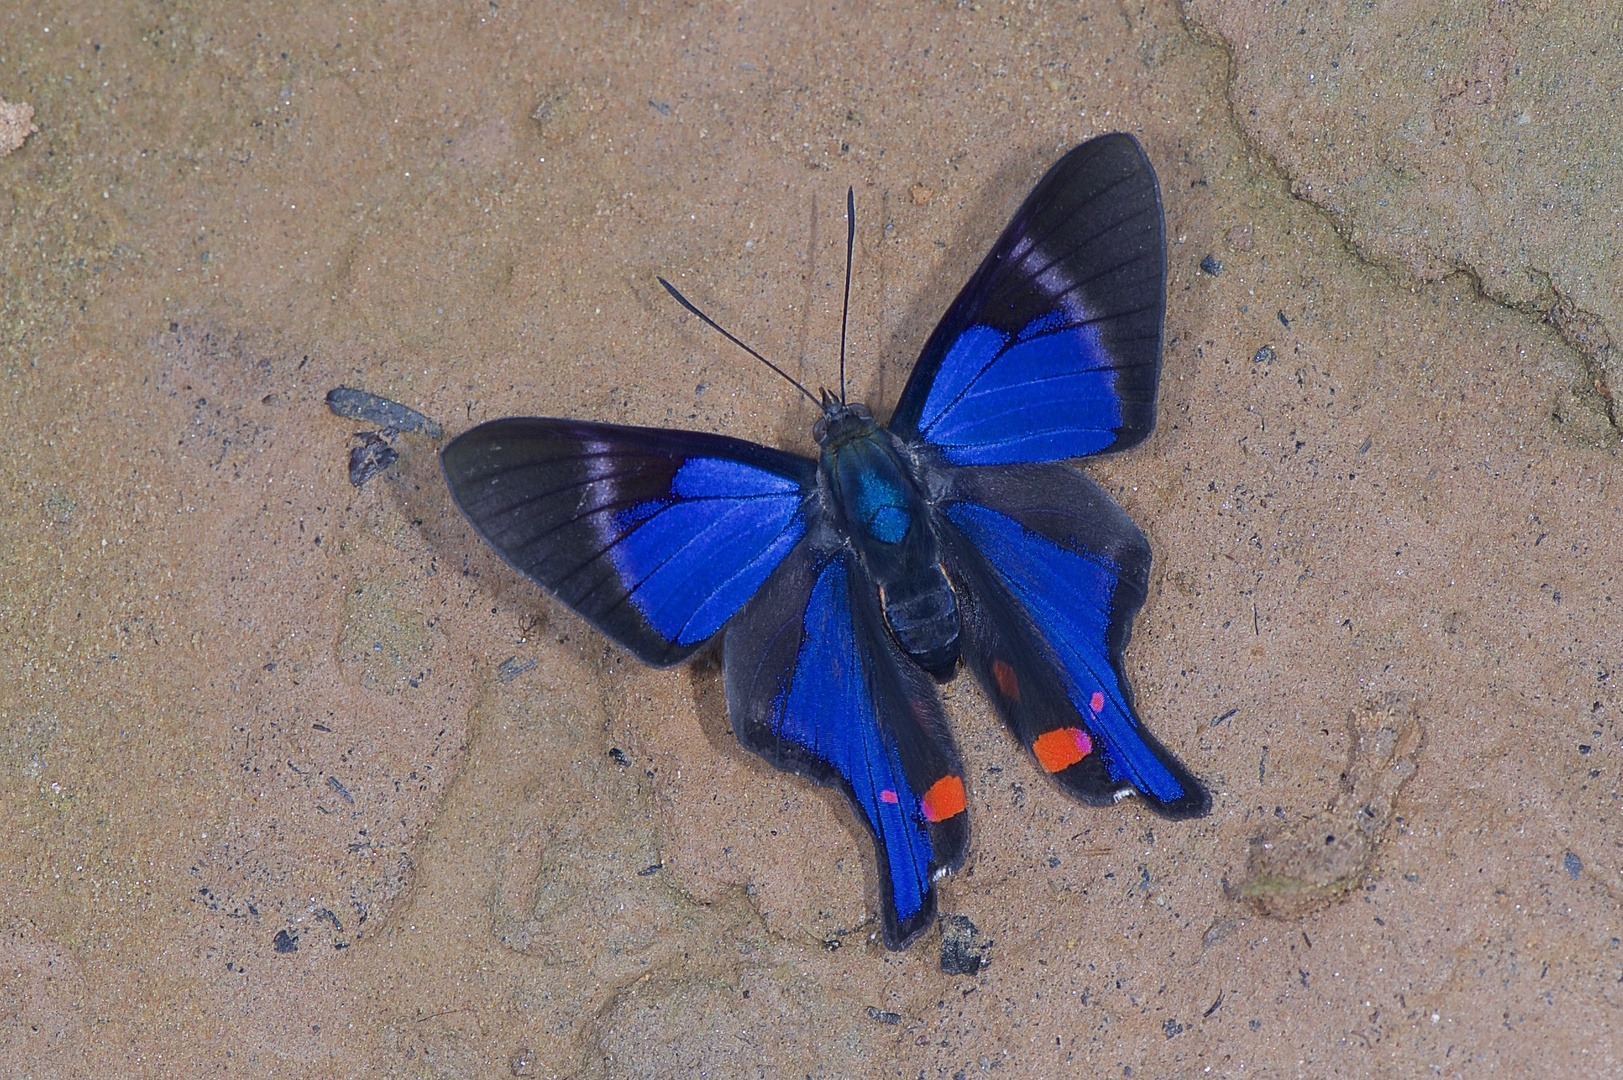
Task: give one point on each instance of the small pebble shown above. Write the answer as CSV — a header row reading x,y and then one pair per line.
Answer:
x,y
365,405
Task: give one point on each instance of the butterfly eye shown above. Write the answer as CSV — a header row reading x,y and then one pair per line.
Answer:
x,y
820,429
860,411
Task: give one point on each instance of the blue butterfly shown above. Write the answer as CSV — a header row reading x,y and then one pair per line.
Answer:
x,y
844,588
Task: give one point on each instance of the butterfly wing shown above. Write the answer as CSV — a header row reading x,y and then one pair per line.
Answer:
x,y
817,686
654,537
1050,573
1053,349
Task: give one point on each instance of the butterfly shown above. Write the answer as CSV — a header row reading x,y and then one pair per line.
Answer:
x,y
843,589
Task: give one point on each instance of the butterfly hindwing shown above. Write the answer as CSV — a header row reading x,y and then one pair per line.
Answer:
x,y
654,537
1051,572
816,685
1053,349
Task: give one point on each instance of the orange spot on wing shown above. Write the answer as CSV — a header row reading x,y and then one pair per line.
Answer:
x,y
1007,680
1062,748
944,799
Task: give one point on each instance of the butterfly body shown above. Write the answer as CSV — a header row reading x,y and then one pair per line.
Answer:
x,y
876,494
843,589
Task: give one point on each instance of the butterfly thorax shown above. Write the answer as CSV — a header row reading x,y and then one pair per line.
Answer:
x,y
878,503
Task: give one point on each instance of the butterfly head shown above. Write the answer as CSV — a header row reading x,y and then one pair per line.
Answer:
x,y
841,422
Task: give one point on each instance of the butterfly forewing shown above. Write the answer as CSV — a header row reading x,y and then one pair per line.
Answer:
x,y
655,537
1053,349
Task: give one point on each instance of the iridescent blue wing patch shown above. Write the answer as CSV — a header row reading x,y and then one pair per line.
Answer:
x,y
1050,573
1053,349
654,537
817,686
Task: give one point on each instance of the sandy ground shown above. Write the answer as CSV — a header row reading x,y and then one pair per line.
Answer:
x,y
299,780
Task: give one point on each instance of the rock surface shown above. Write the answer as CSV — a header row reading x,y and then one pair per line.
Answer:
x,y
299,778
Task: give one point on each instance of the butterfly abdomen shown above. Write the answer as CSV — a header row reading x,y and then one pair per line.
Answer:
x,y
923,616
880,508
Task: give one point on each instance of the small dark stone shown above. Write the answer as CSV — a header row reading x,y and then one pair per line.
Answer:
x,y
285,942
371,457
363,405
618,756
884,1017
1265,355
1212,265
1574,865
963,948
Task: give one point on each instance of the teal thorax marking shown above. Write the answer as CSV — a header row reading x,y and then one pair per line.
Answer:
x,y
874,498
882,509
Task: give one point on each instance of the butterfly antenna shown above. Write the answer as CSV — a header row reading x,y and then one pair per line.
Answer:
x,y
850,243
708,321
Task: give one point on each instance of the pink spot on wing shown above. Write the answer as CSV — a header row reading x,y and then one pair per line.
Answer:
x,y
1083,742
889,796
1098,703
